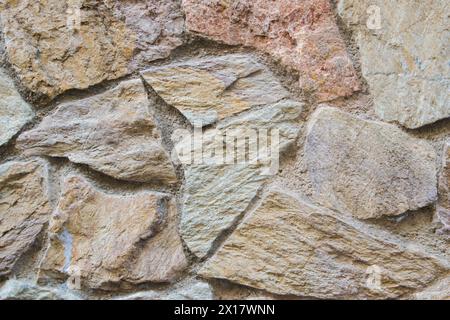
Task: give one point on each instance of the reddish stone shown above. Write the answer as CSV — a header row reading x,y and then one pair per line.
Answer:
x,y
301,34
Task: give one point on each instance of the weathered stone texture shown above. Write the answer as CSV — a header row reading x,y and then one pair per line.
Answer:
x,y
242,95
26,290
368,169
404,58
51,52
290,247
438,291
179,161
303,35
216,192
112,132
158,25
212,89
24,209
109,240
195,290
443,208
14,111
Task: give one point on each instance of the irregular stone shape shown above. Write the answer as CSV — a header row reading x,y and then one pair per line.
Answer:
x,y
216,193
197,290
159,26
24,209
109,240
443,208
439,291
405,61
51,53
289,247
303,35
112,132
26,290
14,111
212,89
368,169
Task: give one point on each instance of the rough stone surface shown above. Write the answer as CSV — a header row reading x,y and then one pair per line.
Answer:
x,y
197,290
27,290
14,111
112,132
183,137
439,291
226,290
212,89
405,61
108,240
443,208
303,35
287,246
24,209
158,25
368,169
50,57
216,194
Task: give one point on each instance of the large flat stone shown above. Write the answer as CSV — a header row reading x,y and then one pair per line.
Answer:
x,y
50,57
14,111
303,35
368,169
211,89
215,193
405,61
111,241
24,209
288,246
112,132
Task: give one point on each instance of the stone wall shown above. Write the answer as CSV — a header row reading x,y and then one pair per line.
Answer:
x,y
107,108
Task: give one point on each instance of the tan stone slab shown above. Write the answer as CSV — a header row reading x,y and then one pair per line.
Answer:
x,y
211,89
55,45
366,168
24,209
287,246
110,241
14,111
404,56
113,132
